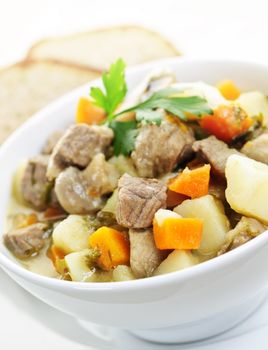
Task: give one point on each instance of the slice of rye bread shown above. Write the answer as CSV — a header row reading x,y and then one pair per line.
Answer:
x,y
99,48
28,86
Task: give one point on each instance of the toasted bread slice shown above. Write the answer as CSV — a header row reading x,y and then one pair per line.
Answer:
x,y
28,86
99,48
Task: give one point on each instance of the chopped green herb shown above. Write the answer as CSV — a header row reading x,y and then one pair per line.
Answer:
x,y
125,134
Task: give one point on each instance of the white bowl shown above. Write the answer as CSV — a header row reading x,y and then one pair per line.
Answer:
x,y
182,306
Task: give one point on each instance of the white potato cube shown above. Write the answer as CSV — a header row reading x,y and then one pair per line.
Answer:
x,y
162,214
247,187
81,269
17,179
123,273
177,260
110,206
254,103
78,266
216,224
71,235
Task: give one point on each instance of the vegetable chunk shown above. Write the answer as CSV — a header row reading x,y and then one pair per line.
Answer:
x,y
81,267
88,113
71,235
177,260
254,103
171,231
228,89
227,122
123,273
216,224
247,187
113,245
193,183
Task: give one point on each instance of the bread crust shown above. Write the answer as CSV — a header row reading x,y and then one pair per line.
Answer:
x,y
33,51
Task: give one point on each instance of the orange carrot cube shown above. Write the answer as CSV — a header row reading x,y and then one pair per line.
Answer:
x,y
228,89
113,246
193,183
178,233
88,113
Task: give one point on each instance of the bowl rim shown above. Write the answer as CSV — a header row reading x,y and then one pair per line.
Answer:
x,y
213,264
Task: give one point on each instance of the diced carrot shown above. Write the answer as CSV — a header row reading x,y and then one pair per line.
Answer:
x,y
55,253
31,219
193,183
113,246
178,233
226,123
88,113
228,89
174,199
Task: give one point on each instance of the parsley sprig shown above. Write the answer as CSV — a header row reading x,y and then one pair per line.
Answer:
x,y
150,111
115,89
125,134
168,100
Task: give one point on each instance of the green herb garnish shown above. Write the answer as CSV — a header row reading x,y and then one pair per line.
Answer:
x,y
115,88
150,111
125,134
177,105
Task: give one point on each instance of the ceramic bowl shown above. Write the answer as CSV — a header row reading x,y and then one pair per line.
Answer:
x,y
182,306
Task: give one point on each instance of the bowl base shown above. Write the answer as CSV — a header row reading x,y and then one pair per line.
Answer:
x,y
186,333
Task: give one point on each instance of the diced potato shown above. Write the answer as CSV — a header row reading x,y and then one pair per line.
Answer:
x,y
110,206
81,269
247,187
162,214
124,165
123,273
71,235
216,224
177,260
254,103
78,266
17,178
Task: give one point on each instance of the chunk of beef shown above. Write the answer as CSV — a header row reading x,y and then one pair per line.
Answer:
x,y
79,144
35,186
257,148
51,142
214,151
71,189
28,241
217,189
244,231
158,149
144,256
102,177
138,200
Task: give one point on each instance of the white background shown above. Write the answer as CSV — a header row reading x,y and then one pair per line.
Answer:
x,y
198,28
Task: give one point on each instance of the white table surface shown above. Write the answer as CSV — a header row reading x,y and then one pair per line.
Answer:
x,y
199,28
